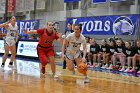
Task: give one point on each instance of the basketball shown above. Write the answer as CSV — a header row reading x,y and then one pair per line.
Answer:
x,y
82,68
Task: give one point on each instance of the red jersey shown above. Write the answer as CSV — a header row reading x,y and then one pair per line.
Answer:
x,y
46,38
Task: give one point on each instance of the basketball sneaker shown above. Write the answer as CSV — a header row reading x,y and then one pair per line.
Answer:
x,y
123,69
110,66
104,66
138,72
98,65
127,69
55,76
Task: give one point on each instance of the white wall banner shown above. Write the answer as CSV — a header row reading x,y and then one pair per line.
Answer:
x,y
27,48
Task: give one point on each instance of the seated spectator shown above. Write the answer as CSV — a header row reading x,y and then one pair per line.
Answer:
x,y
129,52
119,54
112,47
104,53
136,57
93,52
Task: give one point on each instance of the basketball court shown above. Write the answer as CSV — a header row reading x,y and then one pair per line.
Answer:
x,y
26,79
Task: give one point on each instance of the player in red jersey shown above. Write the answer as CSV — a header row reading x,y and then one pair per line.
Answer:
x,y
45,49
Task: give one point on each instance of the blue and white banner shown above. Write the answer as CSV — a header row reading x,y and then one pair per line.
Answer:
x,y
66,1
27,24
2,46
27,48
107,25
98,1
117,0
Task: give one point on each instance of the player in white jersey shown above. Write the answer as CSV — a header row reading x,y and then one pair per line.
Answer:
x,y
10,40
71,46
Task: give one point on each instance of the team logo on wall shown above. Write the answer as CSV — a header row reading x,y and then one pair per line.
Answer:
x,y
123,26
21,48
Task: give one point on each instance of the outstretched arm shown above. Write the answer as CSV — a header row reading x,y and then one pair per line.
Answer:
x,y
30,32
5,25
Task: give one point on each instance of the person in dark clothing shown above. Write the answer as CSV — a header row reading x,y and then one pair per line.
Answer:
x,y
129,52
104,53
112,46
136,57
119,54
93,52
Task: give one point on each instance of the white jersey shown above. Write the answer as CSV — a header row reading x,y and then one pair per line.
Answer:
x,y
10,37
11,31
74,43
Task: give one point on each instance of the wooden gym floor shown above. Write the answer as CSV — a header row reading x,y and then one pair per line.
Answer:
x,y
27,80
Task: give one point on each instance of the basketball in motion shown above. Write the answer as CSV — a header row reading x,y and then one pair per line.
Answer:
x,y
82,68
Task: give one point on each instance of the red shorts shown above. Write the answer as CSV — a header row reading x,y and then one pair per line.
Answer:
x,y
44,53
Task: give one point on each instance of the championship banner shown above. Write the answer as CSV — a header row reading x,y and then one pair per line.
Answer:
x,y
67,1
107,25
10,6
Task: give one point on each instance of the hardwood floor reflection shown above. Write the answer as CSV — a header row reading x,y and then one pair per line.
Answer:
x,y
100,82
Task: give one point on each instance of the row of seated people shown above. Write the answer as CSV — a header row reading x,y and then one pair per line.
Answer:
x,y
106,55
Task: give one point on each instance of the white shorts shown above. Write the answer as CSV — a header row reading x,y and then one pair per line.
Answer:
x,y
73,56
9,41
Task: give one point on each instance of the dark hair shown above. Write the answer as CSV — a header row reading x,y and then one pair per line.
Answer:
x,y
70,24
104,40
112,40
80,26
128,42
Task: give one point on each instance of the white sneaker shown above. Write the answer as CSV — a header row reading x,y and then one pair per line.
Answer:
x,y
132,70
138,72
98,65
110,66
55,76
104,66
127,69
86,80
123,69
